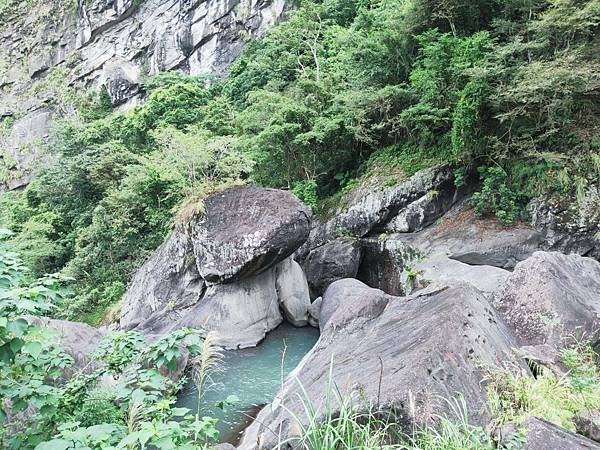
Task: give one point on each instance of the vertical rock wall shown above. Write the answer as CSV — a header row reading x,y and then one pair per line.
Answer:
x,y
58,44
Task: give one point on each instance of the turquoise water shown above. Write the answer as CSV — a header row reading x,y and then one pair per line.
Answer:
x,y
253,375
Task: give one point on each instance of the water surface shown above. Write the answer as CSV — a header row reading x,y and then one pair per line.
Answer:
x,y
254,375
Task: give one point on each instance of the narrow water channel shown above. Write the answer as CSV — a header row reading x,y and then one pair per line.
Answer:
x,y
253,375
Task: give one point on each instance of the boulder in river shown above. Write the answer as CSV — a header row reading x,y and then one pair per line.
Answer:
x,y
399,354
551,297
231,274
245,230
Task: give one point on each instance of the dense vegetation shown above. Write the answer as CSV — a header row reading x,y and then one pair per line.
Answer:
x,y
345,89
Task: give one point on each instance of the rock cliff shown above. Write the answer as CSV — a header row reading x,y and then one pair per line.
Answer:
x,y
60,44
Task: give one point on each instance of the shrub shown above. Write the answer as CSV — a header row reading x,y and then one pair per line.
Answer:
x,y
497,196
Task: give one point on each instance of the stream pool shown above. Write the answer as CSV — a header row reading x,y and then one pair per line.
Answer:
x,y
253,375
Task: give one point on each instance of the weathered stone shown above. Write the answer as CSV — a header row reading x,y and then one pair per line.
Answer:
x,y
169,280
569,225
292,291
588,424
333,261
544,356
398,354
240,314
442,271
375,208
422,212
542,435
384,261
246,230
460,235
551,297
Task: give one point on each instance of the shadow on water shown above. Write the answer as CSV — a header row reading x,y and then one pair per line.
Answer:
x,y
254,375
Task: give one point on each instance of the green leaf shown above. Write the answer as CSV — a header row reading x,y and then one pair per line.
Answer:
x,y
17,327
55,444
33,348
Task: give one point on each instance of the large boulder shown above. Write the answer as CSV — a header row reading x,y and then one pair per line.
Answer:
x,y
245,230
231,274
551,297
169,279
330,262
241,313
400,354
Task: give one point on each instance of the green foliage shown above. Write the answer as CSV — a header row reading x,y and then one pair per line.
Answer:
x,y
80,411
559,399
307,192
497,196
341,423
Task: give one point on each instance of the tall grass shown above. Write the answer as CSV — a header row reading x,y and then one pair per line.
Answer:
x,y
514,396
207,362
341,423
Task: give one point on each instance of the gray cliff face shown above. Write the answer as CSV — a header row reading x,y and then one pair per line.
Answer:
x,y
110,43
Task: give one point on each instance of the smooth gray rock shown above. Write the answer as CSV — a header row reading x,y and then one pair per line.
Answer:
x,y
292,291
245,230
333,261
542,435
462,236
551,297
314,311
168,280
384,262
401,354
443,271
240,314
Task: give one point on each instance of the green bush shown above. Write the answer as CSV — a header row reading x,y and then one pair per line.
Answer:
x,y
497,196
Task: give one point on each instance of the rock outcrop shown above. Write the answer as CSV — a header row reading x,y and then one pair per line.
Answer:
x,y
110,43
330,262
231,274
550,297
385,264
569,225
398,354
244,231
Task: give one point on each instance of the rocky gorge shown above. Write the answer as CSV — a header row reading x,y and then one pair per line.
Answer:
x,y
407,318
314,225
